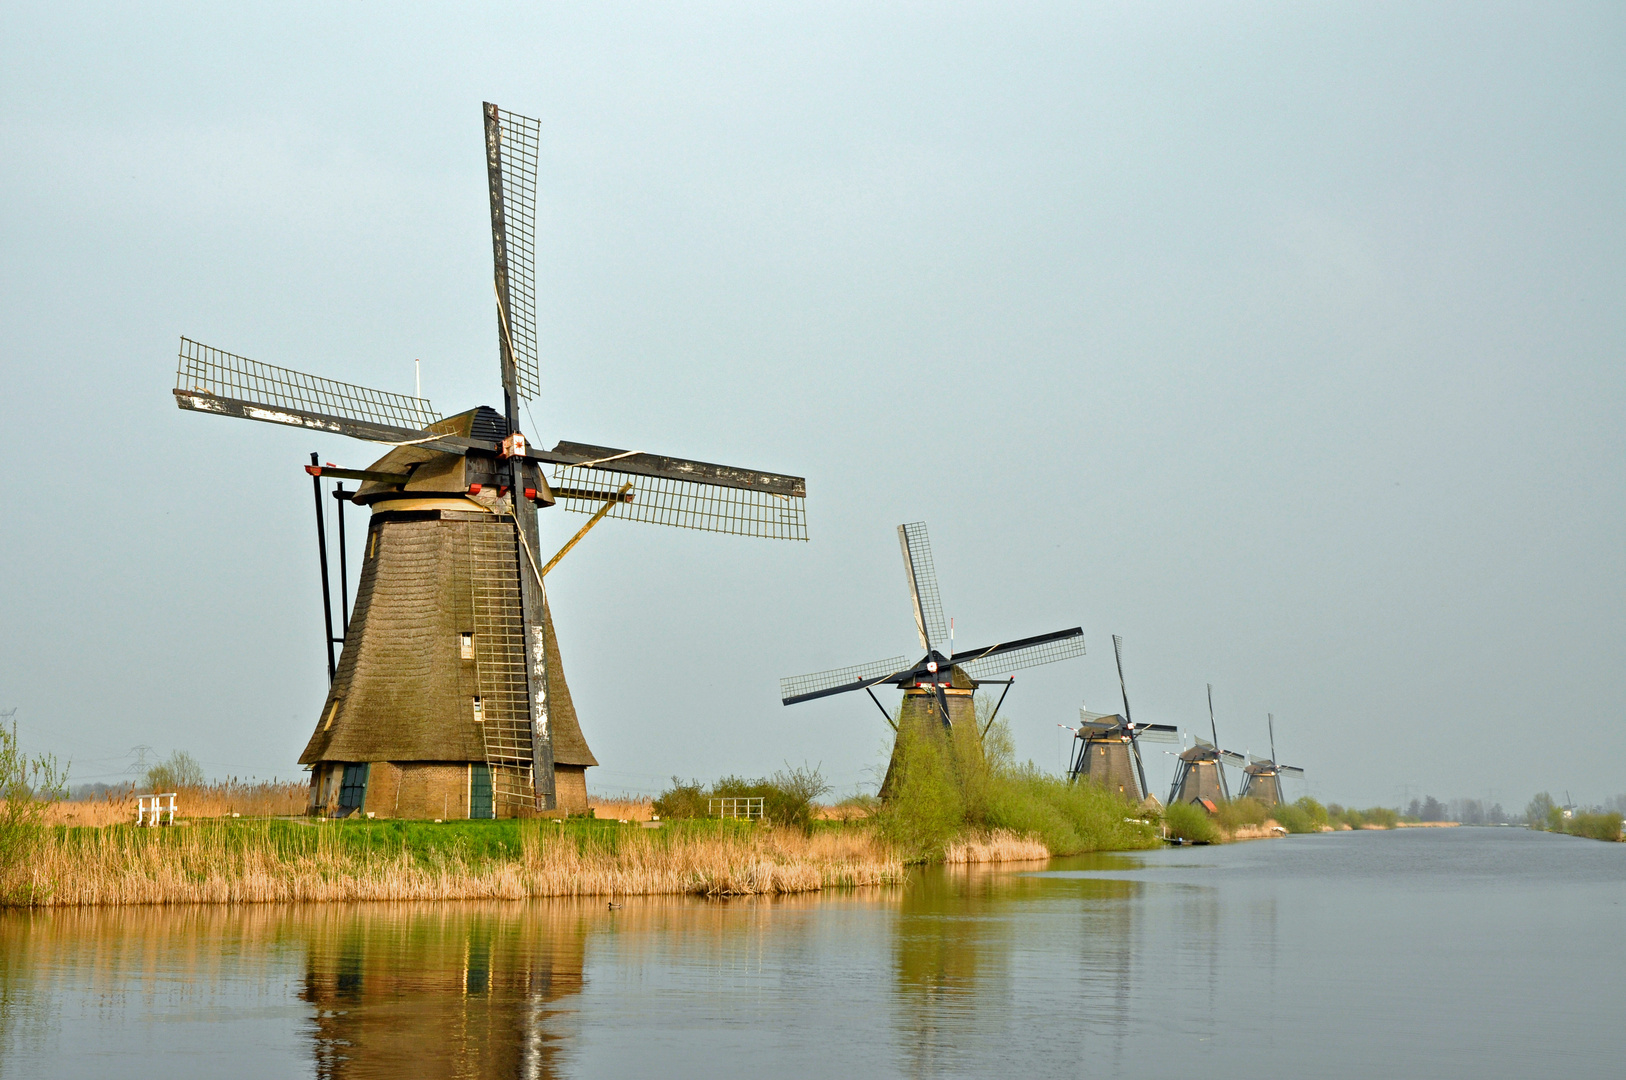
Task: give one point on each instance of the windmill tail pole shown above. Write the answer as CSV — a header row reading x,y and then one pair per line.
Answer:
x,y
321,551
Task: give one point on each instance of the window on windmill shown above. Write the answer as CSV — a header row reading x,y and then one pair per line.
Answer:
x,y
466,644
479,710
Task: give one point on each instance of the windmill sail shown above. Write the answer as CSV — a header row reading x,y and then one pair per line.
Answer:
x,y
839,680
917,566
215,381
513,143
679,492
1009,656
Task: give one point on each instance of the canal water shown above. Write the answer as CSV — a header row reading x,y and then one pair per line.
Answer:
x,y
1419,953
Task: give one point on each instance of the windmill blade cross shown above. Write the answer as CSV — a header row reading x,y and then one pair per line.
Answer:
x,y
1007,656
1233,759
922,575
1289,770
213,380
840,680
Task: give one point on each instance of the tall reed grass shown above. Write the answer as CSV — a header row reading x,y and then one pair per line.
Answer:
x,y
288,861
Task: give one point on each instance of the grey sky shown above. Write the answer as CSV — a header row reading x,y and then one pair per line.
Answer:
x,y
1283,340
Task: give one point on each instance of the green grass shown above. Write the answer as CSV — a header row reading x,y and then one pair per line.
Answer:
x,y
426,843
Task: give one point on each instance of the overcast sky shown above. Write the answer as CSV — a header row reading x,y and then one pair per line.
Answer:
x,y
1284,340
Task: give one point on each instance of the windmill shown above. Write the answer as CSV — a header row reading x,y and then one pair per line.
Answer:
x,y
1105,743
938,688
1263,776
1199,772
449,699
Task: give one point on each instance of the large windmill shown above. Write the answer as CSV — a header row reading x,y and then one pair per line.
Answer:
x,y
1200,772
1106,743
1263,777
938,688
449,698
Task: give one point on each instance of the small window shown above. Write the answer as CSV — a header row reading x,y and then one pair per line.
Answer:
x,y
466,644
479,711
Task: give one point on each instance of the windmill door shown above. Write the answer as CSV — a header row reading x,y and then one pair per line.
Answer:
x,y
353,789
480,790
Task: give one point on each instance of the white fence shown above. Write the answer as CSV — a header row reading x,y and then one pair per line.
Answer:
x,y
746,809
150,807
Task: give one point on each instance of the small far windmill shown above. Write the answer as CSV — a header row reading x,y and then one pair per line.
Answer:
x,y
1106,743
1263,781
449,698
938,688
1199,773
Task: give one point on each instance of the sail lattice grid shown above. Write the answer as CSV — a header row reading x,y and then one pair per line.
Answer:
x,y
208,370
797,685
923,576
500,670
521,141
1047,652
684,504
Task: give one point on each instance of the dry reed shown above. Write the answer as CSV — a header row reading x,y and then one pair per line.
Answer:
x,y
221,800
262,862
996,846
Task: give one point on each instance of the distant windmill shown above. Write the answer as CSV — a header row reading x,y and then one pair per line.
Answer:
x,y
1264,776
938,688
1106,743
449,697
1200,772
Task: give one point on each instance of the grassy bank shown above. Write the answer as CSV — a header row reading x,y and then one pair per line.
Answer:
x,y
289,861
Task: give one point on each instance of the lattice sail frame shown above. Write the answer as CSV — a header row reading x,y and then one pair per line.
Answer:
x,y
684,504
520,138
211,372
1047,652
922,576
797,685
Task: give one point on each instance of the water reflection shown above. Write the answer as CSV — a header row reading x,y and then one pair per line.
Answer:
x,y
440,990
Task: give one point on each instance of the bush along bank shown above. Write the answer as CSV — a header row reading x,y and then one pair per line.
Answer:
x,y
950,791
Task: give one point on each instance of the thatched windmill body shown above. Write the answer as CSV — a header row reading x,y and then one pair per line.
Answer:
x,y
939,688
1263,777
449,698
1199,773
1106,749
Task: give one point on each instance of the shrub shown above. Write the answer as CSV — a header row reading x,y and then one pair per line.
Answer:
x,y
681,800
787,796
1304,816
1236,813
1190,823
179,770
1595,826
